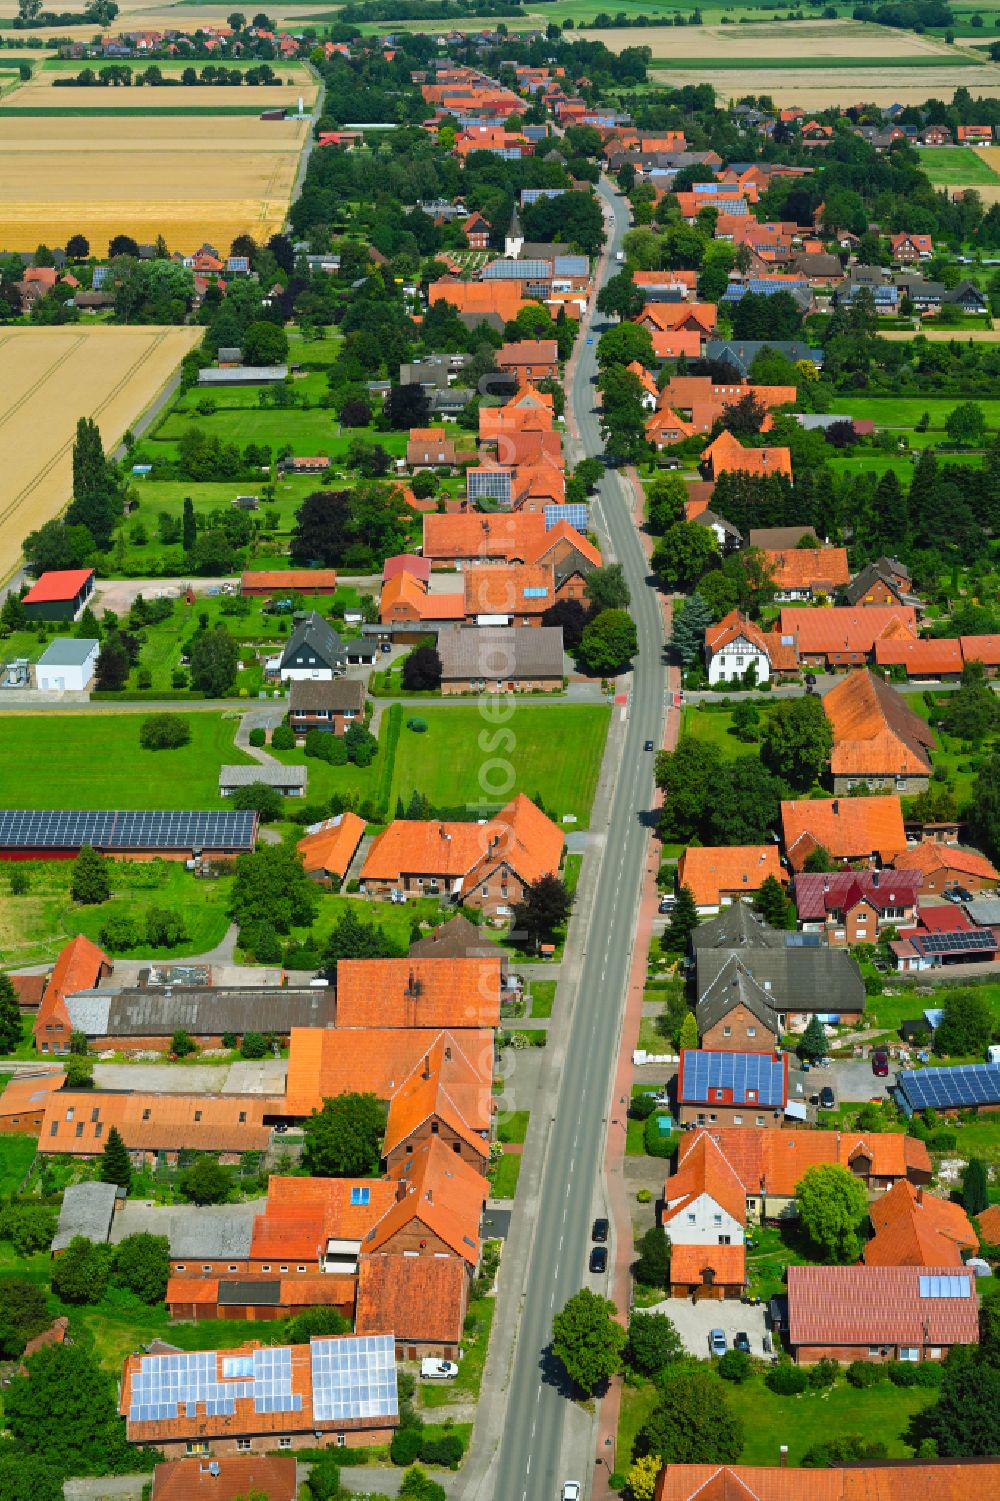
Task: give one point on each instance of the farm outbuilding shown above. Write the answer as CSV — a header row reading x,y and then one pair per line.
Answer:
x,y
59,595
67,665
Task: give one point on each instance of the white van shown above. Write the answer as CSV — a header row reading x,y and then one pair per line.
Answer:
x,y
438,1370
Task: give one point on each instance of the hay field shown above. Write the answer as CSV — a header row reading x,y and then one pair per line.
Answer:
x,y
49,378
815,88
187,179
816,40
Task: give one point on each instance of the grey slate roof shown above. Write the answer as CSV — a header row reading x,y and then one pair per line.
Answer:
x,y
271,776
87,1209
201,1010
501,651
317,634
339,694
67,651
734,985
458,938
741,353
778,538
984,911
737,926
204,1232
823,980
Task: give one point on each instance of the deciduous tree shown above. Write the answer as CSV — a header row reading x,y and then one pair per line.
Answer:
x,y
653,1342
796,741
692,1423
832,1205
609,642
588,1340
343,1140
545,907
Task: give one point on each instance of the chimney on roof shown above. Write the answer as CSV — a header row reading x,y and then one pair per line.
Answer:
x,y
400,1191
836,807
783,1456
427,1065
429,1196
875,880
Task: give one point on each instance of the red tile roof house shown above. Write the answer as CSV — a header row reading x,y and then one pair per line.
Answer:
x,y
484,865
849,906
241,1475
477,231
279,583
81,966
59,595
878,741
530,359
882,1480
719,875
845,635
848,828
736,644
938,867
906,249
879,1313
704,1219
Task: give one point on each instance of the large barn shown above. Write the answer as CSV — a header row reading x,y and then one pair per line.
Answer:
x,y
27,834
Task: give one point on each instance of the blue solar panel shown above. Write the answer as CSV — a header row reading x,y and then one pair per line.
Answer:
x,y
576,514
943,1088
944,1287
733,1078
129,830
354,1378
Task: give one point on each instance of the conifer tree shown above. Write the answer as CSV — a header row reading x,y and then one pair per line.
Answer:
x,y
116,1166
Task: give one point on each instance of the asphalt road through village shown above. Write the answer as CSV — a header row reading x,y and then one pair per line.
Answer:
x,y
529,1460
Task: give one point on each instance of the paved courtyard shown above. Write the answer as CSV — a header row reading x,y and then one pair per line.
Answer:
x,y
694,1322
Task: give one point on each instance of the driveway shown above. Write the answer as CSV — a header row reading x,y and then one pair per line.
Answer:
x,y
694,1321
849,1079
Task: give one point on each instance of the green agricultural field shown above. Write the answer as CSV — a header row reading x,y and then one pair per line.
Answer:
x,y
796,64
906,411
96,761
956,166
466,757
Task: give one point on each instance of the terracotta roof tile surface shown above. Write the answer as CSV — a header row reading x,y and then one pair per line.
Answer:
x,y
436,1189
520,836
989,1225
704,1170
848,827
878,1305
921,658
78,967
412,1297
232,1476
418,992
846,628
774,1161
727,1264
78,1123
323,1063
914,1228
874,732
507,536
911,1480
332,844
821,569
716,871
27,1094
929,858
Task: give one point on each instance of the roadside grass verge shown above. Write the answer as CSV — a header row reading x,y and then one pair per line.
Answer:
x,y
543,994
503,1178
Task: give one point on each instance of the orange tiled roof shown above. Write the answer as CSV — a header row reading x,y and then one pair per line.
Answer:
x,y
876,1305
989,1225
688,1264
985,649
889,1480
404,595
78,1122
874,732
849,828
412,1297
774,1161
505,590
325,1062
233,1476
666,316
418,992
302,1214
913,1228
483,297
819,568
728,456
331,846
443,1087
26,1094
714,871
78,967
847,628
921,658
443,1193
704,1170
563,532
498,422
930,857
671,343
471,535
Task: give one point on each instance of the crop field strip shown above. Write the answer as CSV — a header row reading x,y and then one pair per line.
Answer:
x,y
120,371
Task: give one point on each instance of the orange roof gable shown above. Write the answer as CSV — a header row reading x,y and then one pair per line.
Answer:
x,y
78,967
443,1193
482,297
727,1265
913,1228
714,872
726,455
846,628
404,1295
850,828
704,1170
513,537
323,1063
518,589
563,532
874,733
774,1161
302,1214
931,858
331,846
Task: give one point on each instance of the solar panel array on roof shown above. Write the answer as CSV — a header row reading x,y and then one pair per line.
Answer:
x,y
949,943
488,484
48,829
517,271
163,1382
944,1287
943,1088
757,1078
354,1378
575,514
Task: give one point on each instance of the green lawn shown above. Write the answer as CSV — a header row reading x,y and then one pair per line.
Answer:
x,y
17,1153
34,927
468,759
543,994
956,166
96,761
773,1250
906,411
475,1344
513,1128
503,1178
883,1411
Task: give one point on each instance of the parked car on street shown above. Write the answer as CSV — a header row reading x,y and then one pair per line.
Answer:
x,y
600,1230
599,1259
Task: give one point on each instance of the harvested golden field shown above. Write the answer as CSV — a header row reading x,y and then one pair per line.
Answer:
x,y
819,88
804,39
49,378
188,178
44,91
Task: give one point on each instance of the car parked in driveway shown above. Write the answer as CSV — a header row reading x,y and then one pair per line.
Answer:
x,y
717,1343
826,1098
742,1342
880,1063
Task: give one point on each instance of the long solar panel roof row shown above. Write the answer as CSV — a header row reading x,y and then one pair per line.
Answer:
x,y
144,829
354,1378
750,1077
946,943
969,1084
